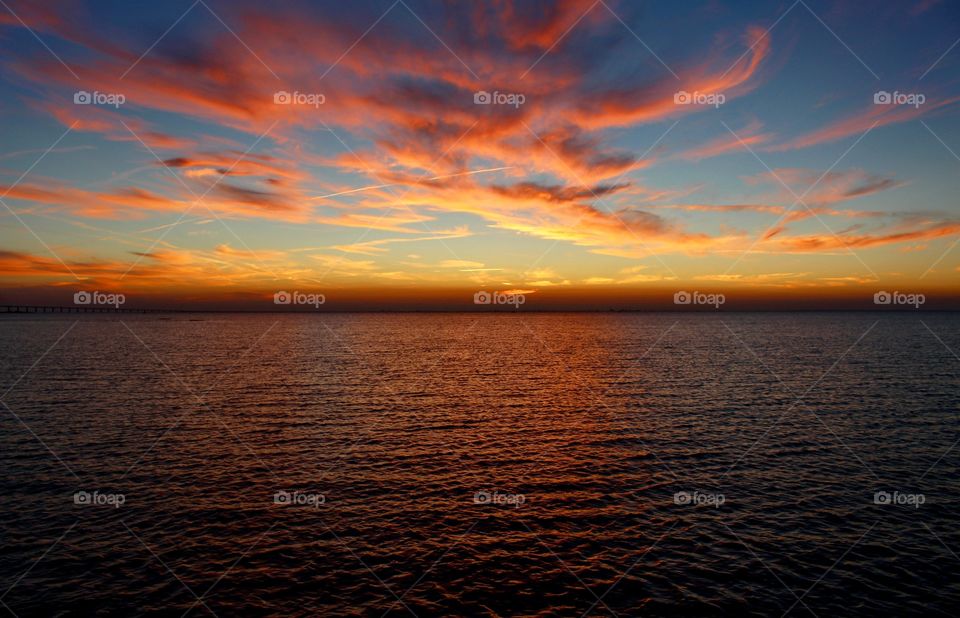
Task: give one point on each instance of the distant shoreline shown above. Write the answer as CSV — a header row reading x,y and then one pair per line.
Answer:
x,y
153,311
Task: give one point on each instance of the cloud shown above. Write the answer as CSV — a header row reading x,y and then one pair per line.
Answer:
x,y
748,137
462,264
374,247
409,140
814,243
556,193
110,123
129,203
858,123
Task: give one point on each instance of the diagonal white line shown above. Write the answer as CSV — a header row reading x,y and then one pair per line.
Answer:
x,y
40,240
37,362
954,243
339,339
389,188
353,352
187,412
569,570
240,358
767,567
759,360
199,199
642,356
940,259
954,445
844,444
160,560
162,36
939,459
241,41
799,399
949,349
442,42
200,401
800,200
432,566
40,158
30,30
230,568
396,184
599,398
949,49
842,356
614,182
801,196
642,42
462,338
955,156
155,443
645,153
599,201
941,540
372,572
560,38
630,568
40,440
800,598
808,408
355,43
762,162
37,561
17,216
760,38
842,42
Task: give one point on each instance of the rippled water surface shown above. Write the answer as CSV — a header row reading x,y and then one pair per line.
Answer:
x,y
643,464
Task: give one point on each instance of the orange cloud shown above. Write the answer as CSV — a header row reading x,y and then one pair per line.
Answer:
x,y
859,123
813,243
749,137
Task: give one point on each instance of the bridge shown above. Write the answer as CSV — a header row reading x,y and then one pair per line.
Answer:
x,y
82,309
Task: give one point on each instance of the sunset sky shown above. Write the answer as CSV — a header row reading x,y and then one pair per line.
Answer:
x,y
385,181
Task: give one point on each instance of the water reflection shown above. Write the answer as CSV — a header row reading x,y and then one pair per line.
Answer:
x,y
578,432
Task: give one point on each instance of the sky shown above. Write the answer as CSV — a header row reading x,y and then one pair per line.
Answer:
x,y
410,154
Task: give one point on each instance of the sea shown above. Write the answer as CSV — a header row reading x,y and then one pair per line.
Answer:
x,y
480,464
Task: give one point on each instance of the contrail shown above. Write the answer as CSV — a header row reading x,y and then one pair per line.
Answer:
x,y
393,184
492,169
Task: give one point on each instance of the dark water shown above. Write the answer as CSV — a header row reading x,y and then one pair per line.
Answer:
x,y
587,426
